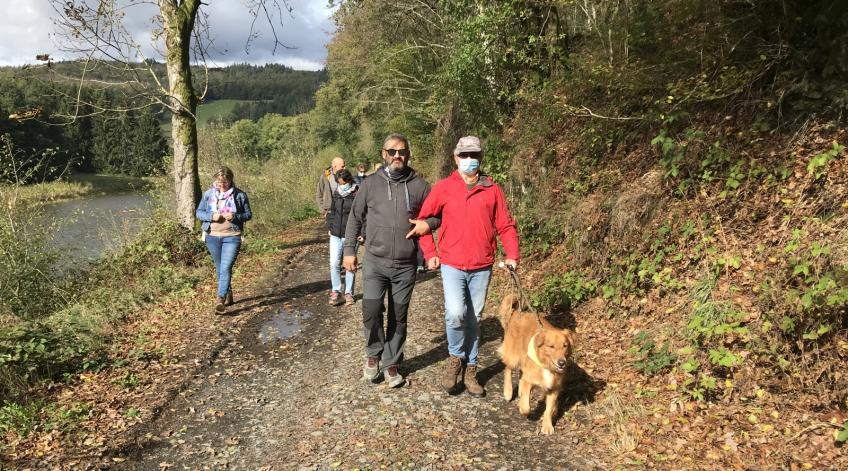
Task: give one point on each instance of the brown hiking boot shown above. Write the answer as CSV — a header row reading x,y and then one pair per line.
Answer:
x,y
453,370
228,301
471,385
219,305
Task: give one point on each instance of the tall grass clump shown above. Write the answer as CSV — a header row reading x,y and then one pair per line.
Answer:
x,y
30,289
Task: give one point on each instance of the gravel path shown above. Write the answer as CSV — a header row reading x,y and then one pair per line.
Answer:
x,y
299,402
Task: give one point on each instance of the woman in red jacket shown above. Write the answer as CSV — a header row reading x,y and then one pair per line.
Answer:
x,y
473,211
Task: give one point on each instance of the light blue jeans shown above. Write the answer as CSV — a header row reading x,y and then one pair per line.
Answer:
x,y
465,295
224,251
336,249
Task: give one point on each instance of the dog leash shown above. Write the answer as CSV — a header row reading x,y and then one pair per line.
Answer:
x,y
522,299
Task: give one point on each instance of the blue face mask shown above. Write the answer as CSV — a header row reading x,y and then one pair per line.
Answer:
x,y
468,165
345,187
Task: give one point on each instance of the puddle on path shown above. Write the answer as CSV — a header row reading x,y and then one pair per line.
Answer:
x,y
284,324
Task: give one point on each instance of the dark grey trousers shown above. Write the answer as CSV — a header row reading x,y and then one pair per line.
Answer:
x,y
398,281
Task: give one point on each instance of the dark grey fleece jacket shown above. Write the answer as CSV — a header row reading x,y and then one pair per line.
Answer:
x,y
387,206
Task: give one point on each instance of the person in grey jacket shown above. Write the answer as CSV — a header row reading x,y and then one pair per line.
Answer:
x,y
327,184
388,199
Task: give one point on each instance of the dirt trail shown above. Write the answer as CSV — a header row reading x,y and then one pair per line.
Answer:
x,y
300,403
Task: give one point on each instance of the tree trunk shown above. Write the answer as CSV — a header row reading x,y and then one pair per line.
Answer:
x,y
178,22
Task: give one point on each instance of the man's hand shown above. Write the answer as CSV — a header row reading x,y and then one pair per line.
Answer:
x,y
433,263
420,228
512,263
349,262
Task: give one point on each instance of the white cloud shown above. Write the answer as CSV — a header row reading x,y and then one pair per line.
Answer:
x,y
27,29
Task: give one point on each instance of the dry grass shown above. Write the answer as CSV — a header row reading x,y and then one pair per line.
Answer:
x,y
635,207
623,422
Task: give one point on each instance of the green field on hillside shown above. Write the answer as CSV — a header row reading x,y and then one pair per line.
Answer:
x,y
208,111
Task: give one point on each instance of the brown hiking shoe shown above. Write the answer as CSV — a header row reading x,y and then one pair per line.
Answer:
x,y
453,370
471,385
219,305
228,301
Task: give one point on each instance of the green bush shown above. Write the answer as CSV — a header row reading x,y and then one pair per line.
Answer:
x,y
169,244
564,291
32,351
19,418
650,358
27,282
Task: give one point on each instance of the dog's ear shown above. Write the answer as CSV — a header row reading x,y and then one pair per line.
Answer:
x,y
509,304
539,339
570,337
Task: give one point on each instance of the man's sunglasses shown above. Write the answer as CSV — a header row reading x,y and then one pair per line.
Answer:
x,y
470,155
402,152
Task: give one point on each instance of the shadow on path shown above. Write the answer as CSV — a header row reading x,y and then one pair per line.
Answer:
x,y
275,297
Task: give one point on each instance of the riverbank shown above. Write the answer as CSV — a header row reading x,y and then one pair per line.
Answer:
x,y
163,334
80,185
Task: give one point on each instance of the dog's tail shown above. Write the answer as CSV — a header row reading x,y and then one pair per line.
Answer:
x,y
508,306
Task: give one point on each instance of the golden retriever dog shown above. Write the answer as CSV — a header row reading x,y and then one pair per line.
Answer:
x,y
542,353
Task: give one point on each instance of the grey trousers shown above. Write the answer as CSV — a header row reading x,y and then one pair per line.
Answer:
x,y
398,281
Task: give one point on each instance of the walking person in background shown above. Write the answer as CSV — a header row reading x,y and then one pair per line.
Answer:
x,y
337,222
473,211
388,199
327,185
360,173
223,210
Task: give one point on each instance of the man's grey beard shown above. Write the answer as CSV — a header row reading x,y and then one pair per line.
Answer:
x,y
396,165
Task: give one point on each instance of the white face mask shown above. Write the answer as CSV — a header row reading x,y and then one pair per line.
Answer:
x,y
468,165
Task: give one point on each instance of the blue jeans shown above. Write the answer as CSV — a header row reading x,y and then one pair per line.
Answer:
x,y
465,295
224,251
336,249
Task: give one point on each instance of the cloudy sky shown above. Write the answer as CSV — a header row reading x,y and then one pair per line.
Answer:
x,y
27,28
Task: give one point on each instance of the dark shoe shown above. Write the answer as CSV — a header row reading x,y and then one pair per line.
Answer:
x,y
335,298
228,301
453,370
471,385
348,299
393,378
219,305
372,368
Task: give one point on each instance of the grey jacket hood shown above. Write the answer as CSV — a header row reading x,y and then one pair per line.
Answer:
x,y
383,207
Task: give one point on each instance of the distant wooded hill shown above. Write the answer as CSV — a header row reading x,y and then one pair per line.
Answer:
x,y
36,103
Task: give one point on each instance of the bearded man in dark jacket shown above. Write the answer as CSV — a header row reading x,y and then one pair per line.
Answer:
x,y
388,199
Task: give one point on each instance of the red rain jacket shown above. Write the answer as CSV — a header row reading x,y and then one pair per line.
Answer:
x,y
470,221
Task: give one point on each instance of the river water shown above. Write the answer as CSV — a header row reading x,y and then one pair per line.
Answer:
x,y
87,228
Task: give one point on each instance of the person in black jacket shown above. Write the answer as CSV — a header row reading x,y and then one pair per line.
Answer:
x,y
386,203
337,216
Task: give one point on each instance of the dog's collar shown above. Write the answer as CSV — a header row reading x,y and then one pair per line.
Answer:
x,y
531,353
